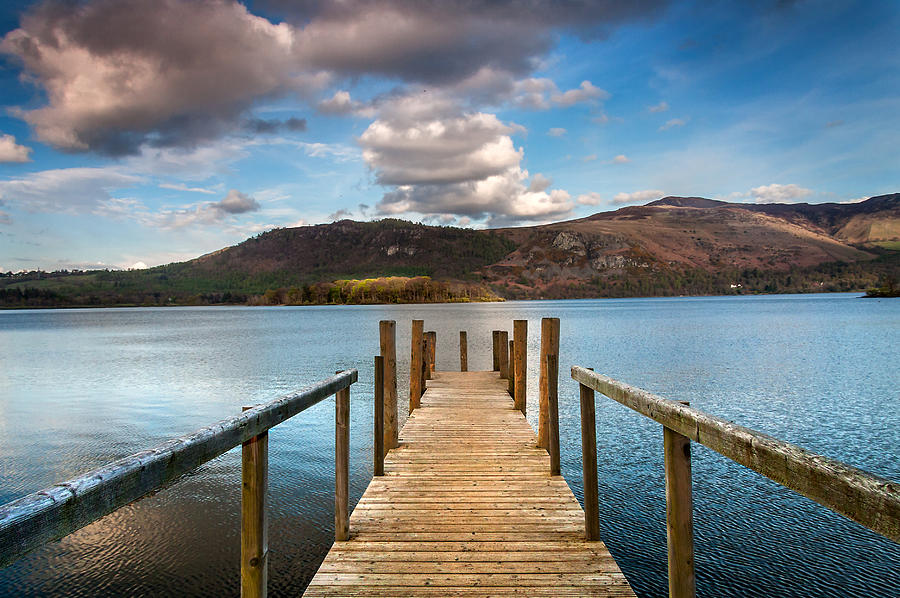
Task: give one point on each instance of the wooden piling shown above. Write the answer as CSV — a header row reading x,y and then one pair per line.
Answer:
x,y
378,449
504,354
388,333
553,412
423,373
341,464
463,352
511,372
520,346
254,517
495,353
416,383
589,464
432,347
679,514
549,346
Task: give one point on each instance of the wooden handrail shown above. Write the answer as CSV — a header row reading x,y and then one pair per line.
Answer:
x,y
55,512
867,499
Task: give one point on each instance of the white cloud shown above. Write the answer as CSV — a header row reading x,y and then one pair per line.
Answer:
x,y
621,159
586,92
539,183
138,266
661,107
183,187
207,213
590,199
10,151
439,150
67,190
673,122
556,132
637,196
341,103
776,193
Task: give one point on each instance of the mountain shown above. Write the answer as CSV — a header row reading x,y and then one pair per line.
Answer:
x,y
674,245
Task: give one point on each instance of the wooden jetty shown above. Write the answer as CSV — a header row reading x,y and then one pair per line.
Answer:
x,y
467,507
466,499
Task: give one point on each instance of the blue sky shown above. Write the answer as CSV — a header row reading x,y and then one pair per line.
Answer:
x,y
138,132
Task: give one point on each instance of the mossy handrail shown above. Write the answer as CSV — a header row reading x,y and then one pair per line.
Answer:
x,y
55,512
867,499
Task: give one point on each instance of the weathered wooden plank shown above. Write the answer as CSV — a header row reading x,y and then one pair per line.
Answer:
x,y
467,507
254,516
388,345
520,349
341,464
57,511
869,500
549,346
378,434
416,363
463,351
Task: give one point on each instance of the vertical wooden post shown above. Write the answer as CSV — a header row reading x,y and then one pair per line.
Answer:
x,y
589,464
432,346
341,464
424,373
254,518
378,449
495,354
511,372
463,352
520,344
679,514
504,354
388,330
549,346
553,412
416,382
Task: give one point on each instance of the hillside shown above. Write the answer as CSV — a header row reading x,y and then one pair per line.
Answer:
x,y
675,245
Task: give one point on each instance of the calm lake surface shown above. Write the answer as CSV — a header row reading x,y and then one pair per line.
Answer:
x,y
79,388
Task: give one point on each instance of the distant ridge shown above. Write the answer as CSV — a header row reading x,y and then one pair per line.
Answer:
x,y
671,246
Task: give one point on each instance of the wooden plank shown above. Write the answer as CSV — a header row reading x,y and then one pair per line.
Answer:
x,y
388,343
589,464
463,351
378,434
503,347
868,499
495,350
549,346
679,514
467,508
520,349
254,517
416,363
57,511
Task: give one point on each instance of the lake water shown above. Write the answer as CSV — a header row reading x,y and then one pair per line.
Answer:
x,y
79,388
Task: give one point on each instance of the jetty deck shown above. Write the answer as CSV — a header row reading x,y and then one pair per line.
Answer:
x,y
467,507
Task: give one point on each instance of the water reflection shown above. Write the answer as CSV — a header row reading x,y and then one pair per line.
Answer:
x,y
81,387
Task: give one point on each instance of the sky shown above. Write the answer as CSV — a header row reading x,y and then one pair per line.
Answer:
x,y
135,133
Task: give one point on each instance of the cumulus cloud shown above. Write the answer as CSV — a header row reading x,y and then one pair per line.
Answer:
x,y
341,104
556,132
207,213
637,196
776,193
661,107
590,199
439,150
673,122
66,190
539,183
119,74
621,159
585,93
10,151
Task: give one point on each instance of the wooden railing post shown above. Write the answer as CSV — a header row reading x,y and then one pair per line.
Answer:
x,y
423,374
589,464
495,353
549,346
504,354
553,412
511,372
341,464
378,436
416,381
388,334
463,352
254,518
520,344
679,514
432,346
